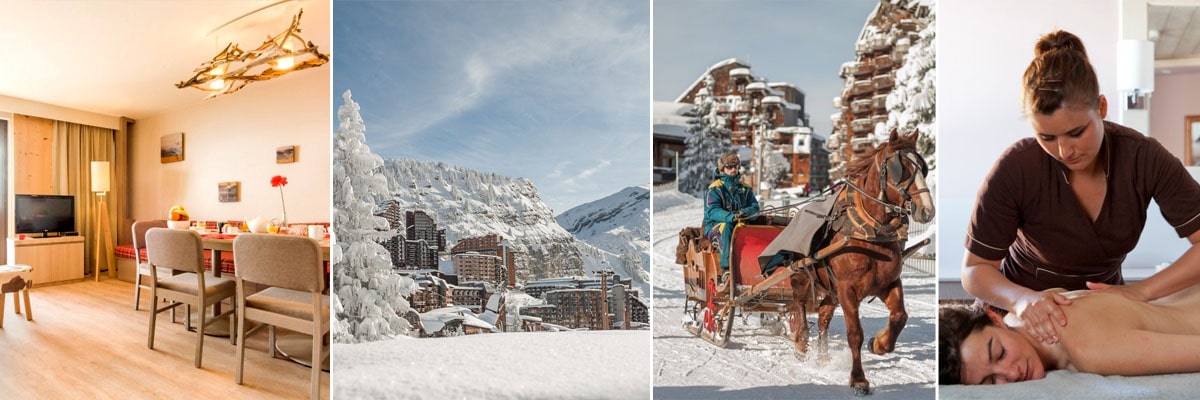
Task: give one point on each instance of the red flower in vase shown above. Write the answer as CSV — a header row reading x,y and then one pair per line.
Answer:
x,y
280,181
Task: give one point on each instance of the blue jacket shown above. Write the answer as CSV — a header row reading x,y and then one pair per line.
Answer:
x,y
727,195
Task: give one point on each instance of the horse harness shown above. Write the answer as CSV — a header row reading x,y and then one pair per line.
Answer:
x,y
851,219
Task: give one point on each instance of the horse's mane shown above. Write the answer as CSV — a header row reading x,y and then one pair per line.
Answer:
x,y
866,161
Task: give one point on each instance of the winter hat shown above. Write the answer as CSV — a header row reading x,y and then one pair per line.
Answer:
x,y
728,159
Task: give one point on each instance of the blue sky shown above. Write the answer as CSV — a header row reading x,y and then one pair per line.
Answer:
x,y
800,42
557,92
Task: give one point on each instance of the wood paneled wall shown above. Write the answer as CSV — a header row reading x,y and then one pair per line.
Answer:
x,y
34,150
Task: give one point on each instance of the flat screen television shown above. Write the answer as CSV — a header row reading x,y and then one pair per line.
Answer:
x,y
45,214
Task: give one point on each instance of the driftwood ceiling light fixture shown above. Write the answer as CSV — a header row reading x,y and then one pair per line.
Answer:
x,y
234,68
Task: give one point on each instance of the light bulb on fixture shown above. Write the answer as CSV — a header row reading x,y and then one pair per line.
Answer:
x,y
217,84
286,62
232,68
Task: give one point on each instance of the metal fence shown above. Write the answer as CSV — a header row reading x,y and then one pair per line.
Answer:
x,y
923,262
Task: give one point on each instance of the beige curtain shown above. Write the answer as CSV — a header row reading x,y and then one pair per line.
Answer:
x,y
75,147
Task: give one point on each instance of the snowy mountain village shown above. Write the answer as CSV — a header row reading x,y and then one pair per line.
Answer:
x,y
427,249
476,297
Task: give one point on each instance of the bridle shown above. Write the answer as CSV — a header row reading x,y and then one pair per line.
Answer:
x,y
893,173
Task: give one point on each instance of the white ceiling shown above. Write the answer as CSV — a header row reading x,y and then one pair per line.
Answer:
x,y
1177,23
123,58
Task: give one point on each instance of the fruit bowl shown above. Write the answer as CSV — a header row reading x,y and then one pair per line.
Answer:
x,y
179,224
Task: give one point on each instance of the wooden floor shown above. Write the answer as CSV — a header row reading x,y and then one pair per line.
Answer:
x,y
87,342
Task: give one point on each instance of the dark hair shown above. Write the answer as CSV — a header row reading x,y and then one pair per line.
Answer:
x,y
1059,75
955,323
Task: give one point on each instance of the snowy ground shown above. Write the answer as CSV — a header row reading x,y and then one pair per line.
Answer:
x,y
560,365
756,364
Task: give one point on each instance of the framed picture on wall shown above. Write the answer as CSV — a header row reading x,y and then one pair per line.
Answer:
x,y
229,192
286,154
171,148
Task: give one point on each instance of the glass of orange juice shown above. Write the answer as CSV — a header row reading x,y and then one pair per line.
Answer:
x,y
272,228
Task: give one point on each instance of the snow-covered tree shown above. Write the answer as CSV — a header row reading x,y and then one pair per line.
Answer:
x,y
775,168
911,104
368,298
708,140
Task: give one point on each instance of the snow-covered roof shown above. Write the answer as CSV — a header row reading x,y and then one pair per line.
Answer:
x,y
672,130
435,320
573,290
772,100
795,130
720,64
494,302
670,118
757,85
551,282
672,108
555,328
784,84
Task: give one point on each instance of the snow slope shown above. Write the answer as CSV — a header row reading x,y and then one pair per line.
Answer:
x,y
471,203
759,365
614,232
561,365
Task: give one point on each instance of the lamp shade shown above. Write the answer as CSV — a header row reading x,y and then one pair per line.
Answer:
x,y
100,176
1135,65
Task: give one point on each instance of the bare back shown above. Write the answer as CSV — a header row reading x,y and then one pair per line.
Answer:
x,y
1109,334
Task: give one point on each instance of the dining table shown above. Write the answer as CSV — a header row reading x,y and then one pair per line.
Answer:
x,y
295,346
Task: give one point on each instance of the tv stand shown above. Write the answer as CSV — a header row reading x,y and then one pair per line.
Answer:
x,y
54,259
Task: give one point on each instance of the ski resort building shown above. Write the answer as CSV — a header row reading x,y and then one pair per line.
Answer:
x,y
575,302
879,52
471,297
671,122
484,259
766,117
422,241
395,217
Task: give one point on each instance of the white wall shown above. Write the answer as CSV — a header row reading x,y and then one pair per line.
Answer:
x,y
233,138
983,49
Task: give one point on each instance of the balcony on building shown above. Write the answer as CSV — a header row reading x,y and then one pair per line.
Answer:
x,y
862,69
739,73
882,82
860,107
756,87
883,63
879,102
862,87
862,125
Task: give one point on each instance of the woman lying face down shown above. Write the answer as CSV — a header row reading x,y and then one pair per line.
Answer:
x,y
1108,335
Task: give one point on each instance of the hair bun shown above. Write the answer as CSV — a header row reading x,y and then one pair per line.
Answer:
x,y
1058,40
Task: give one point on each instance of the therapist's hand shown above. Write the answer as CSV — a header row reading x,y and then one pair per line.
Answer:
x,y
1040,311
1129,291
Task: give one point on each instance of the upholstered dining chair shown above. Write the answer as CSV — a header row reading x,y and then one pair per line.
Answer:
x,y
143,266
181,250
291,268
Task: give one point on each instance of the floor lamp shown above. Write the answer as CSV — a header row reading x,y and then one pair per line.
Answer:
x,y
100,185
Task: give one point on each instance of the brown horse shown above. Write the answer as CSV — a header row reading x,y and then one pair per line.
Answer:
x,y
887,185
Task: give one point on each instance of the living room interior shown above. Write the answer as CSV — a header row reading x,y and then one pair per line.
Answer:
x,y
92,82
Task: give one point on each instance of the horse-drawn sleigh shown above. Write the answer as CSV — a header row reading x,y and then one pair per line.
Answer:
x,y
838,250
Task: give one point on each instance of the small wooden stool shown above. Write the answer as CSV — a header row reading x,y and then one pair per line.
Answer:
x,y
16,278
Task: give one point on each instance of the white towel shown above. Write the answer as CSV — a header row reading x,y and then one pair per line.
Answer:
x,y
1060,385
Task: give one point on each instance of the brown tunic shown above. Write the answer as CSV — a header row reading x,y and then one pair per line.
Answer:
x,y
1027,215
